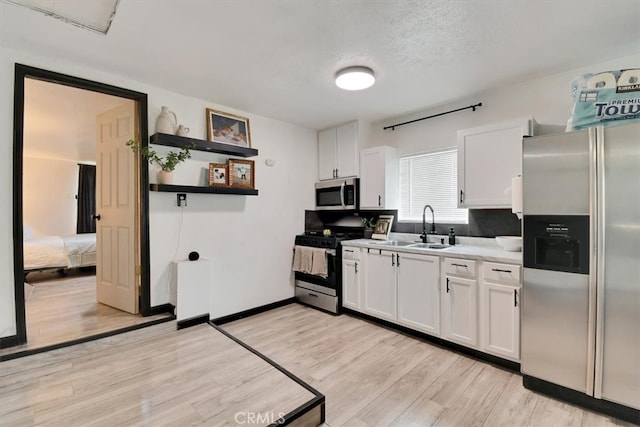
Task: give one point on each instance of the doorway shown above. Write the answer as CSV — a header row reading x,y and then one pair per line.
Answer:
x,y
137,183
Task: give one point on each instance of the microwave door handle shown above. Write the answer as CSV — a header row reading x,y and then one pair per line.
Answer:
x,y
342,195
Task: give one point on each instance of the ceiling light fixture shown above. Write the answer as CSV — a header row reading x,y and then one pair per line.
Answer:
x,y
355,78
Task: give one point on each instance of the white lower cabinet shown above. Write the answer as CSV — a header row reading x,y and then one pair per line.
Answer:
x,y
403,288
419,292
460,302
472,303
500,310
379,296
351,272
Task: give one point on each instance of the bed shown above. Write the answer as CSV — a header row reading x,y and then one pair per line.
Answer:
x,y
61,252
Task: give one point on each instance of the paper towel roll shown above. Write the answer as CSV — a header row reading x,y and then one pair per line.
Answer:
x,y
516,196
601,81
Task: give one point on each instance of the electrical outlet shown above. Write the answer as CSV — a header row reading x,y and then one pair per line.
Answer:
x,y
182,198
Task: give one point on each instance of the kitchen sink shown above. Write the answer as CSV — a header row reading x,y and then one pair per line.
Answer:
x,y
394,243
429,246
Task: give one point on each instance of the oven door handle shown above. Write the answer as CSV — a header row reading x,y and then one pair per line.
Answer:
x,y
342,194
330,252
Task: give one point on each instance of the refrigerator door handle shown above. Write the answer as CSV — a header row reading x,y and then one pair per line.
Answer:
x,y
596,279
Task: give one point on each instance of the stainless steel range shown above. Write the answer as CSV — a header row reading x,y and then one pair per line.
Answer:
x,y
313,289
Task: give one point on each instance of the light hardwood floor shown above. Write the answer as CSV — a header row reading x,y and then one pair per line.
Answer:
x,y
156,376
61,309
373,376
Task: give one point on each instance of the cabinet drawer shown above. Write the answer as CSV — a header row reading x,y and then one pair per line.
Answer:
x,y
502,273
459,267
351,253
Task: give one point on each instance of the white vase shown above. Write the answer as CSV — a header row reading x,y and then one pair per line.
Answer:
x,y
166,121
165,177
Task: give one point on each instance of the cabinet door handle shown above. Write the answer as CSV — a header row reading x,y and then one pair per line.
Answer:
x,y
348,250
379,200
393,259
313,295
447,285
398,260
499,270
356,268
515,297
459,265
461,196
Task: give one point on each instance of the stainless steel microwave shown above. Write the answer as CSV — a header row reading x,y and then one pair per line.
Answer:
x,y
338,194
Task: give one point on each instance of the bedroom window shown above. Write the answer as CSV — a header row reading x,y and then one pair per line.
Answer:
x,y
431,179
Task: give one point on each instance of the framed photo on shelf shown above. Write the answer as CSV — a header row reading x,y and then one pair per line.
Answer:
x,y
241,173
218,175
227,128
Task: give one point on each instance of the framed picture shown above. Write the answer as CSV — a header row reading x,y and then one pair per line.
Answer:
x,y
383,227
218,175
228,128
241,173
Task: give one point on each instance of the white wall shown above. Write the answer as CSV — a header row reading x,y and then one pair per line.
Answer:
x,y
248,239
49,189
547,99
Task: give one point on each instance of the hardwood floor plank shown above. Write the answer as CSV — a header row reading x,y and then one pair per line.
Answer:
x,y
62,309
375,376
516,405
553,413
194,376
390,404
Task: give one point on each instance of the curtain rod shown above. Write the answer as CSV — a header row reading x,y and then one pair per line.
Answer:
x,y
473,107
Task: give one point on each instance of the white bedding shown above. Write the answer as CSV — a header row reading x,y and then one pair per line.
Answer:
x,y
78,250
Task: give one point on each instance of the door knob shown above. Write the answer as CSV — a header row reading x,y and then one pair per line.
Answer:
x,y
96,217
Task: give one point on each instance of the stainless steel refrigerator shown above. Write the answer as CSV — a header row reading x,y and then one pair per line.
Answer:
x,y
581,256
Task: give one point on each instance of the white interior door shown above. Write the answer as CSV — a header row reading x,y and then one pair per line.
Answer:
x,y
116,206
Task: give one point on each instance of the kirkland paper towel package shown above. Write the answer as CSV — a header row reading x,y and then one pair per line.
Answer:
x,y
611,97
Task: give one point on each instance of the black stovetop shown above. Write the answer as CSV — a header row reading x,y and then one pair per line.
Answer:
x,y
317,239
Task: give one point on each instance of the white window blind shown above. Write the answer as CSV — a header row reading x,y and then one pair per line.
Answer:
x,y
430,179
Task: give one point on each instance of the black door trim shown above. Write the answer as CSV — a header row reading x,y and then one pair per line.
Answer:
x,y
25,71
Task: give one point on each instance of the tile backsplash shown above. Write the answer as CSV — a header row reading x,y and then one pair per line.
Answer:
x,y
482,223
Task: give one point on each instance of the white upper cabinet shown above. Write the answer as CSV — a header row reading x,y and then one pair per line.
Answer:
x,y
379,178
338,150
488,157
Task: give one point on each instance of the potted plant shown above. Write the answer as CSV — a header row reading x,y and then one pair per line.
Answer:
x,y
167,164
368,224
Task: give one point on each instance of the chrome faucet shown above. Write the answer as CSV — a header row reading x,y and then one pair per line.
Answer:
x,y
424,226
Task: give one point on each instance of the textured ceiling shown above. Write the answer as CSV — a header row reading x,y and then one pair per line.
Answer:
x,y
278,57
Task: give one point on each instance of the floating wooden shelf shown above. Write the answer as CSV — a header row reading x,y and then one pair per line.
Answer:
x,y
208,190
202,145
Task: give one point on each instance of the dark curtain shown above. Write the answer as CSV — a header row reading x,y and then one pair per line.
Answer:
x,y
86,199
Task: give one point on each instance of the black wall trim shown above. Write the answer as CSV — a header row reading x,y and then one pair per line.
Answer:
x,y
9,341
609,408
159,309
193,321
20,74
252,311
84,339
318,400
494,360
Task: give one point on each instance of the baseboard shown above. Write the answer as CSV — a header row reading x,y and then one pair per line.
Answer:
x,y
10,341
252,311
193,321
580,399
158,309
489,358
24,353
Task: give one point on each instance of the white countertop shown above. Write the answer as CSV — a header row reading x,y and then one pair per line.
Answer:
x,y
480,248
